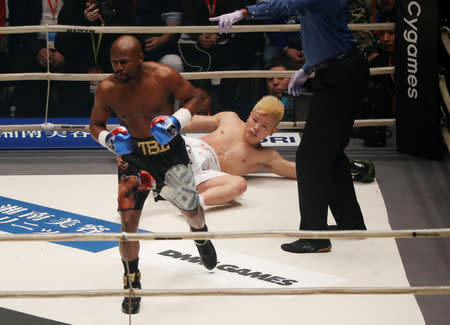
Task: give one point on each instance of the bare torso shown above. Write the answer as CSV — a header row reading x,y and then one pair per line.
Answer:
x,y
236,156
141,99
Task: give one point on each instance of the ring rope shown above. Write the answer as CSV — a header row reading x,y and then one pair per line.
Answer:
x,y
175,29
414,233
50,127
419,290
186,75
358,123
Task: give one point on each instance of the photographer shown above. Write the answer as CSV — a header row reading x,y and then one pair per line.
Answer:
x,y
105,13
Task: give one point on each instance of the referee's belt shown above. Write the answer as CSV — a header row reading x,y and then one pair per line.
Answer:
x,y
331,61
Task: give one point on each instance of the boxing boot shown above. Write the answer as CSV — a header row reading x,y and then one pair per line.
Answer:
x,y
131,305
206,250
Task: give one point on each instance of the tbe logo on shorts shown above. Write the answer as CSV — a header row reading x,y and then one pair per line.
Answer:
x,y
232,268
152,147
18,217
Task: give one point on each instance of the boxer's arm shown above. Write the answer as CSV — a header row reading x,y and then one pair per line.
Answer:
x,y
202,123
276,164
182,90
118,141
207,123
165,128
100,113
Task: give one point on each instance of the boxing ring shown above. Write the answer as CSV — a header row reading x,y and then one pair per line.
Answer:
x,y
361,281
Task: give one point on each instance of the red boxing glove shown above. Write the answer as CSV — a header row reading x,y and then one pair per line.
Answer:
x,y
146,179
120,130
159,119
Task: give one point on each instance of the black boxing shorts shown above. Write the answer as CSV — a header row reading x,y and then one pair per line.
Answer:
x,y
170,167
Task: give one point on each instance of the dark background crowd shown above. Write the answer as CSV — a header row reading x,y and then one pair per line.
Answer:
x,y
89,53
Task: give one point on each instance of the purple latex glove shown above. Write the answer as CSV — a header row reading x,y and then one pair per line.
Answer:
x,y
227,20
296,82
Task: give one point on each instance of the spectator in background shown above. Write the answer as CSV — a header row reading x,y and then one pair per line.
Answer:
x,y
113,13
376,8
284,43
295,108
211,51
205,108
69,53
221,48
90,51
3,18
278,43
277,85
161,48
381,87
5,86
357,13
75,47
30,55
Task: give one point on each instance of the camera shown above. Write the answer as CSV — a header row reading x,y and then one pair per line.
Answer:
x,y
105,10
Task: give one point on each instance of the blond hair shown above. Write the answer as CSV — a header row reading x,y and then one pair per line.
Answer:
x,y
271,106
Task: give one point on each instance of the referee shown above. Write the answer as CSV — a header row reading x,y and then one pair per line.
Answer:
x,y
339,85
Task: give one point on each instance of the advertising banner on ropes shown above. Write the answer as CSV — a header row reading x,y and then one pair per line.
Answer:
x,y
416,78
83,140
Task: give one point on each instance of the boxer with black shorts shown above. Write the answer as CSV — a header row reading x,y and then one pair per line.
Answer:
x,y
148,142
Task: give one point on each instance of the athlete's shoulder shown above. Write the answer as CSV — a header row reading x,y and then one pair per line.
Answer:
x,y
228,115
106,85
158,69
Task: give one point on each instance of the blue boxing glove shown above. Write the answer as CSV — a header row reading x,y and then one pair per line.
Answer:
x,y
118,140
165,128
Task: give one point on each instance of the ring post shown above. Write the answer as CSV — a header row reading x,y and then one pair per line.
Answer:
x,y
416,78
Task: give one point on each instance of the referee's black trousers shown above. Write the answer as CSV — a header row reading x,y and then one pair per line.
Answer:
x,y
323,169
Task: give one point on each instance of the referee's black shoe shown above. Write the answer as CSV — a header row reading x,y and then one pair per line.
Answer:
x,y
308,246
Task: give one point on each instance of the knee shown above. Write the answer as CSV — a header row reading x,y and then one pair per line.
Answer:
x,y
192,214
240,185
174,61
129,222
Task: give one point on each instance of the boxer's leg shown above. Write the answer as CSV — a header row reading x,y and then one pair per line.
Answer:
x,y
180,190
221,189
133,189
